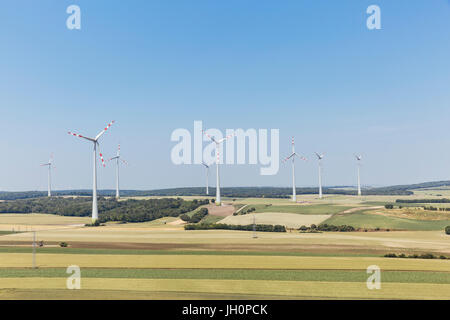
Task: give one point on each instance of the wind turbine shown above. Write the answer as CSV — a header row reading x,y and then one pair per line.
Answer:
x,y
94,184
358,159
218,143
319,158
207,177
49,165
118,159
292,156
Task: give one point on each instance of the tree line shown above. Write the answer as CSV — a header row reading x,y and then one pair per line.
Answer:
x,y
222,226
231,192
109,209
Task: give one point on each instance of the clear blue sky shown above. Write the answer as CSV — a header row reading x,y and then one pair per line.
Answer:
x,y
309,68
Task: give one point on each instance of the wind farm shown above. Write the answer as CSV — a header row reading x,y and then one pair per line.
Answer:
x,y
259,151
285,243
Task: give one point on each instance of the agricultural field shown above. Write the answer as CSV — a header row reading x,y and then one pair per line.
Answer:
x,y
160,260
290,220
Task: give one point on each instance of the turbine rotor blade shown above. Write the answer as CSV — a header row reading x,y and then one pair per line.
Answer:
x,y
103,160
301,157
209,136
104,130
80,136
286,159
227,137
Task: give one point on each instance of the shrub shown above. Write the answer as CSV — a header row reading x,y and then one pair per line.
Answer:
x,y
303,228
258,227
415,256
198,216
427,256
63,244
343,228
185,217
96,223
447,230
279,228
389,206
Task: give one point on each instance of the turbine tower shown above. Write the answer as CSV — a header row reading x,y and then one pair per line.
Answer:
x,y
207,177
292,156
358,159
118,159
218,143
94,184
49,165
319,158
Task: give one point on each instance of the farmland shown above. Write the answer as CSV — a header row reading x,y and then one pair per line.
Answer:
x,y
158,259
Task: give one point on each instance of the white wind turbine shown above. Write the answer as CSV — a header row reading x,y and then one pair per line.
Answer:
x,y
94,184
218,143
358,159
292,156
207,177
319,158
118,159
49,165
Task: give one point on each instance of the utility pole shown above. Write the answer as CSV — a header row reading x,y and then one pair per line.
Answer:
x,y
254,228
34,249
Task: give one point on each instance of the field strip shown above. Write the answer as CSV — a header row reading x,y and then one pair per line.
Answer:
x,y
233,274
276,288
238,252
17,260
290,220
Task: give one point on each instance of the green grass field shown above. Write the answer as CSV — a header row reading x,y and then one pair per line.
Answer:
x,y
290,220
234,274
371,221
302,209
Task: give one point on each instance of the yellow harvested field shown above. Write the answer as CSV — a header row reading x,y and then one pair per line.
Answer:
x,y
309,289
21,260
36,221
290,220
432,241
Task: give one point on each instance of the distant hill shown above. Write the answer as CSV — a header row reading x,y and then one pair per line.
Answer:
x,y
234,192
